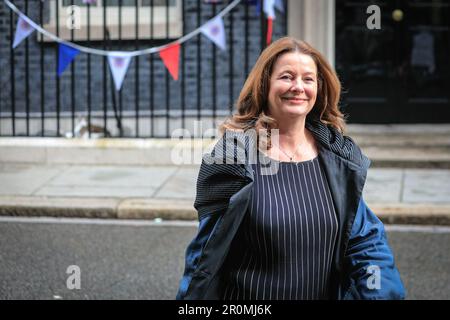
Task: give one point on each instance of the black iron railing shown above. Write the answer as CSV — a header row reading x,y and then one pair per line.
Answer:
x,y
34,101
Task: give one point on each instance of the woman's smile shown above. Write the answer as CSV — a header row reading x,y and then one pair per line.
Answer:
x,y
296,100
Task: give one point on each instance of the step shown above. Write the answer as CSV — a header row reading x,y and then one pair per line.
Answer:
x,y
409,146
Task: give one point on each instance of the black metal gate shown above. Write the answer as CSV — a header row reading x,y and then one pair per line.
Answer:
x,y
34,101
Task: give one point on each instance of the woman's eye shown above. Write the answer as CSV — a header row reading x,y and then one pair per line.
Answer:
x,y
286,77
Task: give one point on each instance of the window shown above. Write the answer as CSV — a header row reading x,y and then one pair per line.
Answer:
x,y
125,13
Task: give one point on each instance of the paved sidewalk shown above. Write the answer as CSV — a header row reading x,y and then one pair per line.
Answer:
x,y
409,180
396,195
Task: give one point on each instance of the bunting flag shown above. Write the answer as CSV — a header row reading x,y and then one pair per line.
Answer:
x,y
257,4
170,56
23,30
278,5
65,57
118,63
269,8
215,31
269,31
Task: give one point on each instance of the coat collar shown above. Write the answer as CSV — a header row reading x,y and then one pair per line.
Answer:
x,y
342,146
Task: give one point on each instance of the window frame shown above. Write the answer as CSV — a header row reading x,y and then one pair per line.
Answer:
x,y
128,16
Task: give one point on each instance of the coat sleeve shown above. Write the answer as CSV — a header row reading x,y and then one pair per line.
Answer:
x,y
369,260
194,250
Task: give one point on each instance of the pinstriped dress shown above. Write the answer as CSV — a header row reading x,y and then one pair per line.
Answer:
x,y
284,246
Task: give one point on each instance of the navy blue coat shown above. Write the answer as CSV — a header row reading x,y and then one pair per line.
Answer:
x,y
363,263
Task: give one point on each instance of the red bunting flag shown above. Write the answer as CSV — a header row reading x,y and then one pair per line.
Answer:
x,y
170,57
269,30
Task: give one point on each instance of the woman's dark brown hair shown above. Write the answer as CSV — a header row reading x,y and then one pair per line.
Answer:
x,y
252,104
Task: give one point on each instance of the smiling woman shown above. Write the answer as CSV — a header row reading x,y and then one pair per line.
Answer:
x,y
293,92
293,83
302,231
290,81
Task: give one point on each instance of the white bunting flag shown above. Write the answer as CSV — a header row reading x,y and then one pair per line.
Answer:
x,y
118,63
269,8
215,31
23,30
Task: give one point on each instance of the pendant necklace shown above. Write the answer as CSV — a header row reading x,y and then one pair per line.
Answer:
x,y
290,157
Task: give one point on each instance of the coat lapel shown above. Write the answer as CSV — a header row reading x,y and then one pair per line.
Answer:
x,y
346,182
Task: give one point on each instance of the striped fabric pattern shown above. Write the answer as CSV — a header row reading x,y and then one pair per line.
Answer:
x,y
333,140
284,247
227,178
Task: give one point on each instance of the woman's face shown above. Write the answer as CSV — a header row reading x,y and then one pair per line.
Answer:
x,y
293,86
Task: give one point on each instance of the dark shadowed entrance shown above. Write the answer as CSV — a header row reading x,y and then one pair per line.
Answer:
x,y
400,73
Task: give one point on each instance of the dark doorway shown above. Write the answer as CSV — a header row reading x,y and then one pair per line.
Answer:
x,y
401,72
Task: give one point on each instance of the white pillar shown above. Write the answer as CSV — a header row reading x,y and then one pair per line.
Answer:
x,y
314,22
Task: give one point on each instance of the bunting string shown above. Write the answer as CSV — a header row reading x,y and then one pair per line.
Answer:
x,y
107,53
119,61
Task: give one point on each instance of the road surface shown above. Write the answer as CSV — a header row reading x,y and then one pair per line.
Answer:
x,y
117,259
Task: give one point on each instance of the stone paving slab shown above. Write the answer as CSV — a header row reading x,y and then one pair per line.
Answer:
x,y
383,185
182,185
112,176
82,181
426,186
23,179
